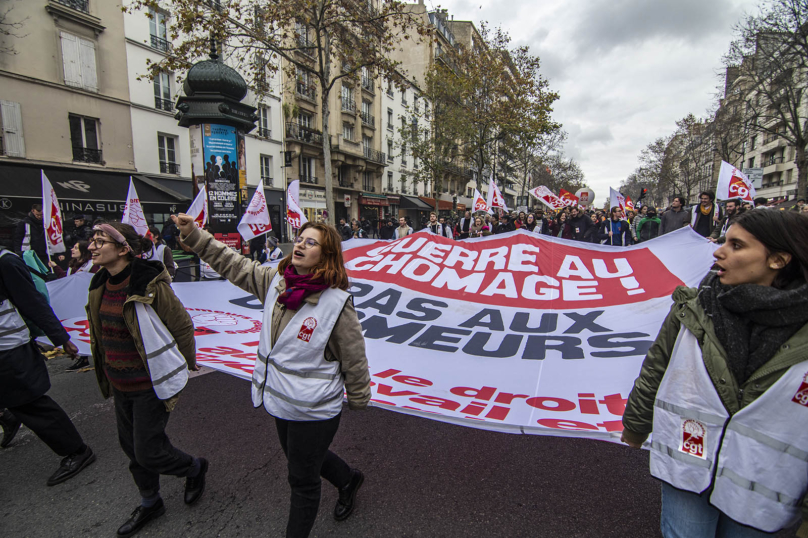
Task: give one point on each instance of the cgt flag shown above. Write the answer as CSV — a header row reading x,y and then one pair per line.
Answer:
x,y
479,202
732,183
199,209
568,198
547,197
294,215
133,212
255,221
629,203
52,218
616,199
495,198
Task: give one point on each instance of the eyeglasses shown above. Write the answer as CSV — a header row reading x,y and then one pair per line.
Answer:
x,y
309,242
100,242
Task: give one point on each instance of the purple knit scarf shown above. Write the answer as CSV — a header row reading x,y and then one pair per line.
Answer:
x,y
298,287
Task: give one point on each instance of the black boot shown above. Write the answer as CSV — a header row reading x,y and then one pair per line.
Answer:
x,y
195,486
140,517
11,425
83,361
347,496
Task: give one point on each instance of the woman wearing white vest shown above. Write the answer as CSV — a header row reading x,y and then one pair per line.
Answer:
x,y
311,350
160,252
724,389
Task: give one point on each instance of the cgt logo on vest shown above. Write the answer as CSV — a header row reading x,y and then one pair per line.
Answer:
x,y
693,433
802,394
306,329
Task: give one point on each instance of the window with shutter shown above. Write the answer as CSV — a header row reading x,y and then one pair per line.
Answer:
x,y
70,59
89,77
12,142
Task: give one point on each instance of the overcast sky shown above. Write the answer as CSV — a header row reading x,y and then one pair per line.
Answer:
x,y
625,70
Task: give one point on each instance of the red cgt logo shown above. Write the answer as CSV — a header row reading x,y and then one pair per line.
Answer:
x,y
802,394
693,433
307,329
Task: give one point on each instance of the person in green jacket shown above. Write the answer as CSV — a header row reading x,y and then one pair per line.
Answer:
x,y
724,388
648,227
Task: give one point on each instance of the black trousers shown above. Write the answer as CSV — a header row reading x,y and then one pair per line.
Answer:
x,y
50,423
142,420
305,444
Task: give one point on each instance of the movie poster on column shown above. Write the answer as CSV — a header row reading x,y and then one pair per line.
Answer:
x,y
197,157
222,176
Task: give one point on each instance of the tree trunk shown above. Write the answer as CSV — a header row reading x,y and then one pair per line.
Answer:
x,y
328,180
802,172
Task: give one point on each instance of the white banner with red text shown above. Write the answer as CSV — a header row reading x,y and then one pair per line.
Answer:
x,y
518,332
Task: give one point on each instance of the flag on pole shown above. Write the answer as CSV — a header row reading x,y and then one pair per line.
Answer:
x,y
495,198
133,212
568,198
294,215
629,203
732,183
52,218
255,221
479,202
199,209
547,197
616,199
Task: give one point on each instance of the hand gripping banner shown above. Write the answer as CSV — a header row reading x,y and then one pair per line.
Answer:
x,y
516,333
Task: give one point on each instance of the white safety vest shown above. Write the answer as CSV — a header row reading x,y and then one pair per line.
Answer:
x,y
293,380
26,239
157,254
167,367
13,330
756,460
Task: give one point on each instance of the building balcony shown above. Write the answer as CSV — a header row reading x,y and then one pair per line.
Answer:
x,y
367,84
305,91
305,46
167,167
264,132
772,160
311,180
390,126
163,45
86,155
267,181
78,5
295,131
770,138
348,105
374,155
163,104
345,183
368,119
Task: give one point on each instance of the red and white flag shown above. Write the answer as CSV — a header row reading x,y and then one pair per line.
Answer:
x,y
133,212
255,221
568,198
495,198
616,199
547,197
199,209
479,202
294,215
52,218
732,183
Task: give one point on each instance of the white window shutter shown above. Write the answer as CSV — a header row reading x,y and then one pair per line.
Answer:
x,y
70,57
88,67
12,129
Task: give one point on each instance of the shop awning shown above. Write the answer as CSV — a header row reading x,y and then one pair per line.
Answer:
x,y
412,202
373,199
20,181
443,205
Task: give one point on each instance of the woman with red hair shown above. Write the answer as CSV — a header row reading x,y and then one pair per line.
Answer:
x,y
311,350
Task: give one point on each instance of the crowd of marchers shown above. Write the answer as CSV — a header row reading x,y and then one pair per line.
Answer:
x,y
618,227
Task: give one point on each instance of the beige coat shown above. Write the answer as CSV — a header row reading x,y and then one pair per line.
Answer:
x,y
346,345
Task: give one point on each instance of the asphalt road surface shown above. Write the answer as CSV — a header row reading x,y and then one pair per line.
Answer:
x,y
423,478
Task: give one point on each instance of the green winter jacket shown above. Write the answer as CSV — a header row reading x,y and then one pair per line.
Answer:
x,y
686,310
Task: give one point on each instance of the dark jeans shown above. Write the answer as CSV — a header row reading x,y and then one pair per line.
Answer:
x,y
142,420
50,423
306,447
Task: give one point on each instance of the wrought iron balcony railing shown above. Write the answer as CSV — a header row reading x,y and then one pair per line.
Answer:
x,y
374,155
163,104
86,155
368,119
167,167
295,131
348,105
308,179
306,91
78,5
160,44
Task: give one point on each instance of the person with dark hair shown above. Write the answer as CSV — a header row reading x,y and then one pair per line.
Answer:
x,y
80,261
560,227
760,202
724,388
464,226
159,252
142,345
732,211
706,215
675,217
579,222
615,232
649,226
30,235
799,205
273,251
387,230
302,386
530,223
24,380
82,231
592,234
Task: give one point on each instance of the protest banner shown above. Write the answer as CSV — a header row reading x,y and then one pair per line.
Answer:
x,y
52,218
516,332
732,183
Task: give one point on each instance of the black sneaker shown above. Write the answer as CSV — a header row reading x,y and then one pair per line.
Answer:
x,y
347,496
140,516
82,362
195,486
71,466
11,425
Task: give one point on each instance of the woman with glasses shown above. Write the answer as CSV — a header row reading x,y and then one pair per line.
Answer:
x,y
310,351
142,345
